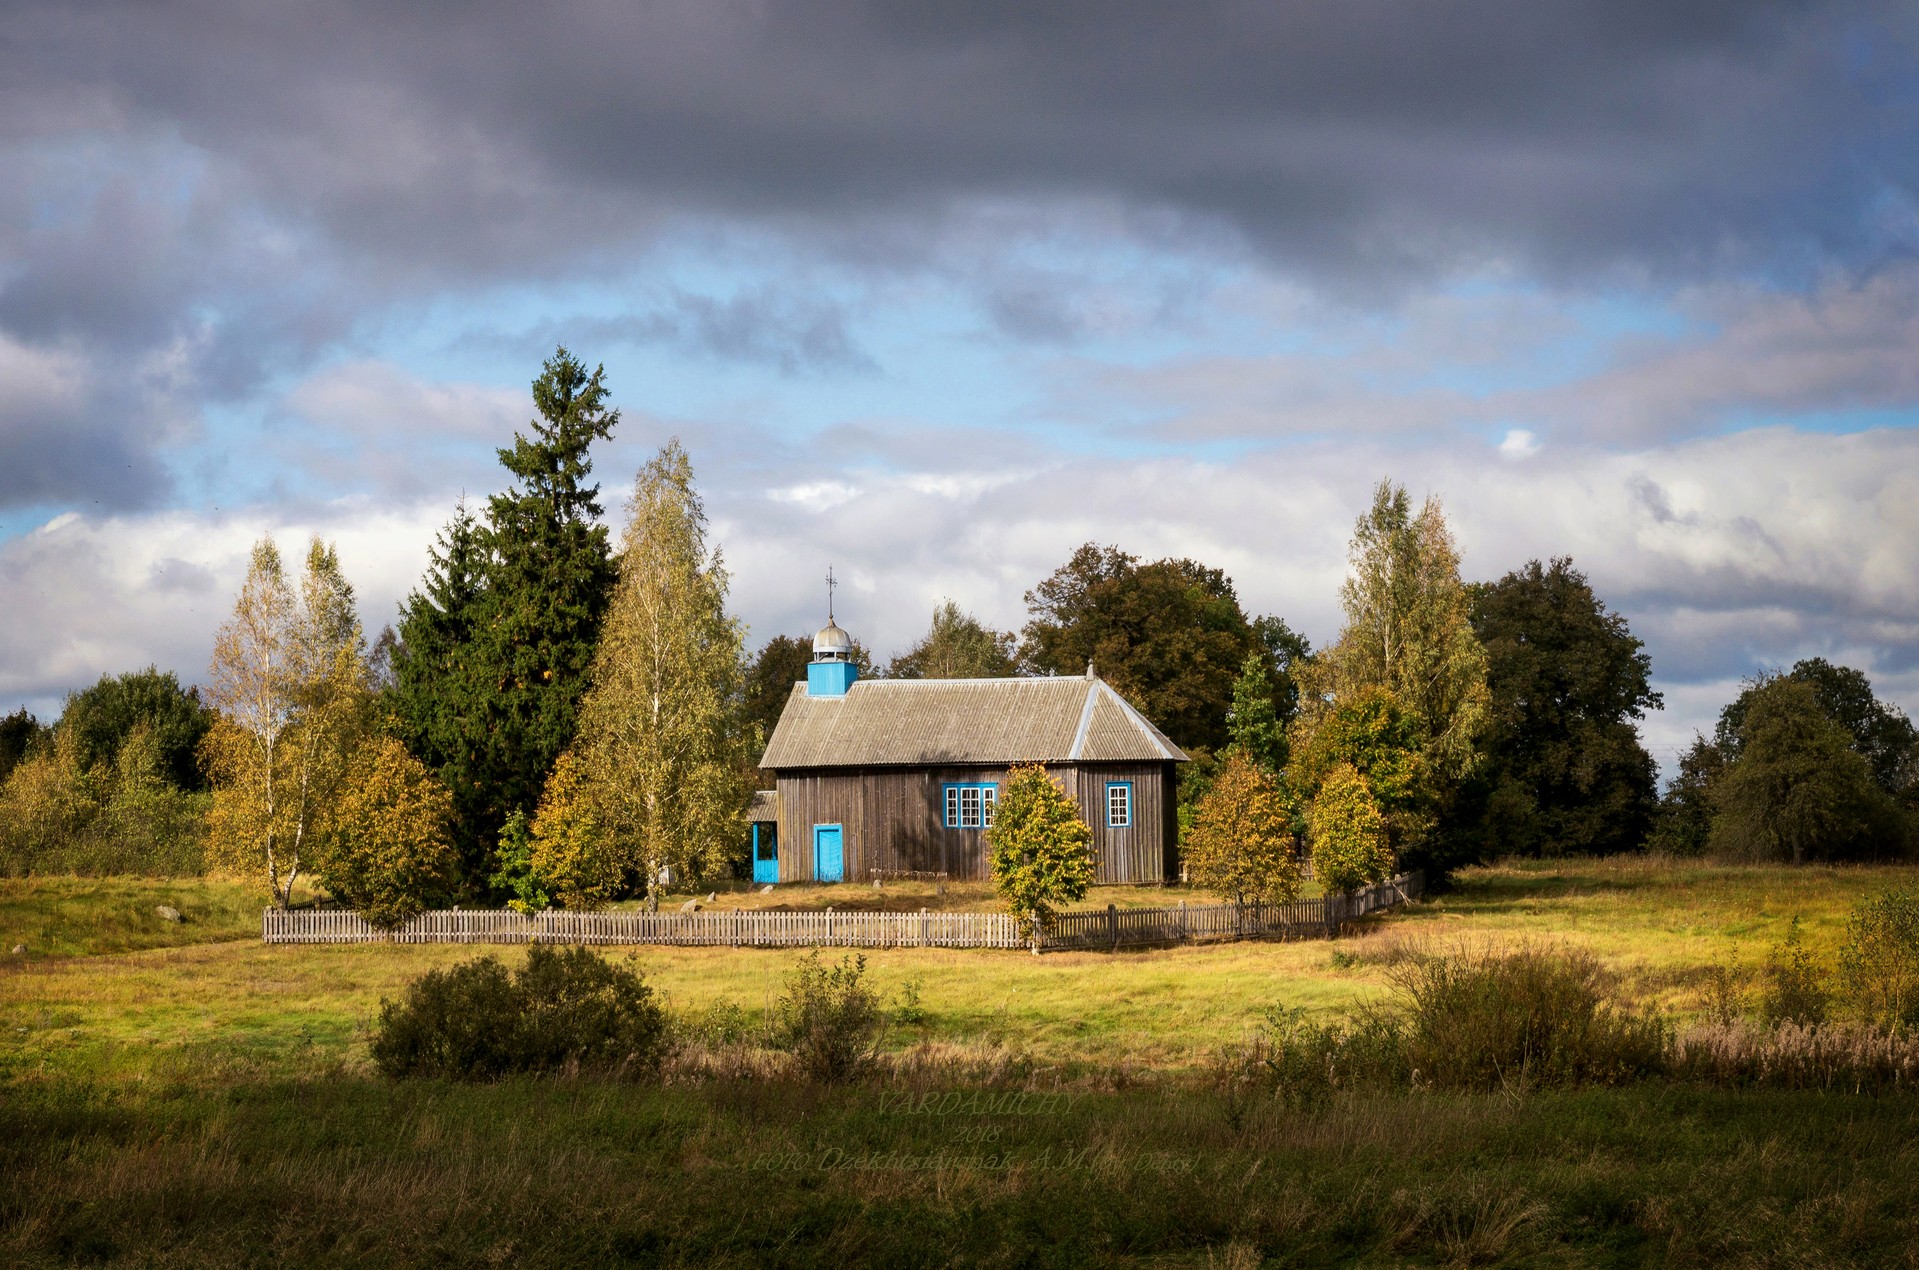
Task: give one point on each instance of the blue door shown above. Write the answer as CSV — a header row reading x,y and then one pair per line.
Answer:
x,y
829,856
766,852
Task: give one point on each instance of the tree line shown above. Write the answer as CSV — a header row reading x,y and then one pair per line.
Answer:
x,y
560,716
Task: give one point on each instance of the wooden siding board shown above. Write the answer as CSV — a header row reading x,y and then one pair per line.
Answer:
x,y
893,818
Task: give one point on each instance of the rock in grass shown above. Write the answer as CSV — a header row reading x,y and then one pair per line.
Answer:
x,y
19,950
691,906
168,913
767,889
712,896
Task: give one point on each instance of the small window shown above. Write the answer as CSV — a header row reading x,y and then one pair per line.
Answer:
x,y
1119,805
970,806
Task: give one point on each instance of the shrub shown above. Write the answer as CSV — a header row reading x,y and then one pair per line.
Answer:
x,y
829,1019
1880,960
562,1011
1791,990
1307,1060
1529,1016
580,1010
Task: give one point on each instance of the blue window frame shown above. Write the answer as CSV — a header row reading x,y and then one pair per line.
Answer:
x,y
971,806
1119,804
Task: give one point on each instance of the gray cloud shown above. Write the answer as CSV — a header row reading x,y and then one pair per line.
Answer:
x,y
1371,136
769,326
216,193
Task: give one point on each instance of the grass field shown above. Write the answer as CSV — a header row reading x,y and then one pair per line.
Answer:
x,y
187,1094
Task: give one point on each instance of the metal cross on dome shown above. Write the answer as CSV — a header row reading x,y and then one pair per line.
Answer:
x,y
830,584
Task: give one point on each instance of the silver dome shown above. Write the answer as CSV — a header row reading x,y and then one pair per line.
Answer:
x,y
832,643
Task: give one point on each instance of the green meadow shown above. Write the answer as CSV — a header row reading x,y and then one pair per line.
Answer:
x,y
179,1093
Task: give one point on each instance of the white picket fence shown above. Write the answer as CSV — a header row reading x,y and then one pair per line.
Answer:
x,y
1082,929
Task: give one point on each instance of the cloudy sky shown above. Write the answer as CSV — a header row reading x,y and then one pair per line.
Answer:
x,y
935,292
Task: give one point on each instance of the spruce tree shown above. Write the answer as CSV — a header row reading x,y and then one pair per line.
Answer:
x,y
549,575
436,681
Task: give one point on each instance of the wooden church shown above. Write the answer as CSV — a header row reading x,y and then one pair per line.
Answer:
x,y
903,774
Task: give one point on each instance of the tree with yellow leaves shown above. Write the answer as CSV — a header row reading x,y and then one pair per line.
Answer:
x,y
661,742
572,858
1241,843
390,853
290,691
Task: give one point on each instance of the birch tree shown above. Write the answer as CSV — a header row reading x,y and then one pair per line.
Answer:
x,y
1409,629
289,689
660,738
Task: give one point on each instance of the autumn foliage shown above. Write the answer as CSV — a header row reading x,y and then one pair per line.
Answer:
x,y
1241,843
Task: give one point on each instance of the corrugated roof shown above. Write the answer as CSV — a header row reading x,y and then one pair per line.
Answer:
x,y
882,722
765,805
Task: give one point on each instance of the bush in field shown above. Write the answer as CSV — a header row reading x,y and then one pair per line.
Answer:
x,y
1792,990
1040,849
1880,960
391,852
1242,839
1350,844
830,1019
564,1010
1309,1059
1529,1016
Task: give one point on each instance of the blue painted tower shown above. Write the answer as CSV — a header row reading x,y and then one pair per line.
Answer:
x,y
832,670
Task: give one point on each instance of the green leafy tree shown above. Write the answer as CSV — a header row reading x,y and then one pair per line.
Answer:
x,y
1242,839
1683,825
1878,732
957,646
1254,723
661,743
103,716
1374,736
515,876
1564,770
1287,649
1798,790
390,854
1170,636
1409,631
20,732
1039,847
1351,847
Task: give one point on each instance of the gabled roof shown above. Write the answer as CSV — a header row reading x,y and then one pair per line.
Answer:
x,y
920,722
